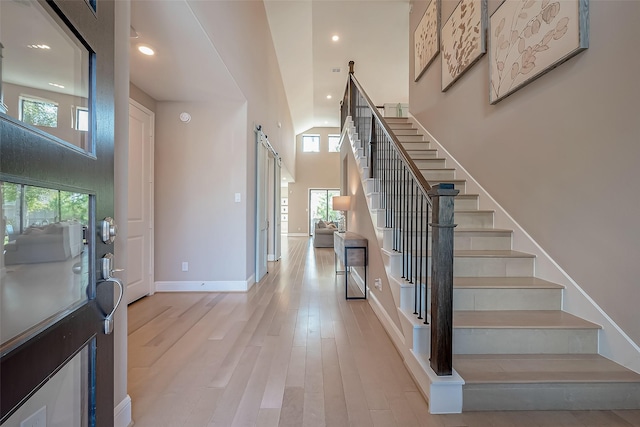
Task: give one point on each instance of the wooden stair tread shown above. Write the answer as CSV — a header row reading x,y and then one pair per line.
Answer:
x,y
540,368
520,319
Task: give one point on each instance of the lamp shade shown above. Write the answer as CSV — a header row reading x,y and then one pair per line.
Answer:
x,y
341,203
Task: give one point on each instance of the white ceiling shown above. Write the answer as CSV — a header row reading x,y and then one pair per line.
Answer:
x,y
187,67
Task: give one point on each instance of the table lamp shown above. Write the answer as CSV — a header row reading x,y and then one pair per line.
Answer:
x,y
343,204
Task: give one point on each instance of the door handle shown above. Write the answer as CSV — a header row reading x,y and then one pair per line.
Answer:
x,y
108,320
107,270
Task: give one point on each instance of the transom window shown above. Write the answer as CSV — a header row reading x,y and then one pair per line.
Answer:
x,y
334,142
82,119
311,143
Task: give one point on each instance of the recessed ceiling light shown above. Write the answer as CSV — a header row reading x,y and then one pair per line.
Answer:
x,y
335,38
284,179
56,85
38,46
146,50
326,122
329,97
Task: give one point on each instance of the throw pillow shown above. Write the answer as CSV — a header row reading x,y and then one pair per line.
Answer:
x,y
321,224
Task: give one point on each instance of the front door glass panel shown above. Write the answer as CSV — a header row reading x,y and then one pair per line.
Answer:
x,y
61,401
45,74
45,257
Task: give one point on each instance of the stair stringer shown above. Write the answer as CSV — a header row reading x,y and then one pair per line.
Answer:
x,y
613,342
444,394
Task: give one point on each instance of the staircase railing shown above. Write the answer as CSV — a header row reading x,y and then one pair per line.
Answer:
x,y
410,207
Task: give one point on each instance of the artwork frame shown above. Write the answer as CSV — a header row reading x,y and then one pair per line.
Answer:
x,y
467,22
426,39
559,31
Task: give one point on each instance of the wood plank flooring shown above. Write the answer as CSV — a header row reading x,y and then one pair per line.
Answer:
x,y
291,352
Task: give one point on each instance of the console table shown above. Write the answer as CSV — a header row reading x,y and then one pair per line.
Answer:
x,y
351,248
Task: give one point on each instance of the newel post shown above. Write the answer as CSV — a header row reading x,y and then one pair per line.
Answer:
x,y
442,196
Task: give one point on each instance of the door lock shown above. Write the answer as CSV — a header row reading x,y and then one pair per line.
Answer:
x,y
108,230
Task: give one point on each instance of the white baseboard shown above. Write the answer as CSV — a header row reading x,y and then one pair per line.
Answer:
x,y
122,413
272,257
206,285
613,342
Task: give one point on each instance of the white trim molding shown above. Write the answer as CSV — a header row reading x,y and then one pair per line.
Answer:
x,y
206,285
122,413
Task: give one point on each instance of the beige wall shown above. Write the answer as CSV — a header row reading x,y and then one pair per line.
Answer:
x,y
199,166
359,221
560,155
314,170
241,35
142,97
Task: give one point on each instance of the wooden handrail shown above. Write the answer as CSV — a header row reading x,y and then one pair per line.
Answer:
x,y
413,169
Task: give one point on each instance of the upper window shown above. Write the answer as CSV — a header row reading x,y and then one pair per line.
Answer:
x,y
311,143
39,112
334,143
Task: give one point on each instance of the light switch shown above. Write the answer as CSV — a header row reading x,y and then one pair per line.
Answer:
x,y
238,198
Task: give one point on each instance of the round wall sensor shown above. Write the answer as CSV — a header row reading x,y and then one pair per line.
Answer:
x,y
185,117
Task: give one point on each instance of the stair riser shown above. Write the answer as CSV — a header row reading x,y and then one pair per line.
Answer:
x,y
468,241
551,396
434,174
475,266
524,341
462,241
410,138
418,154
506,299
406,131
416,145
430,163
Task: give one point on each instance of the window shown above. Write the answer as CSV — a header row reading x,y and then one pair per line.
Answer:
x,y
311,143
82,119
334,142
39,112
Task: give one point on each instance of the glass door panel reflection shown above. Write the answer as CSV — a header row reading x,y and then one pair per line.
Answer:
x,y
61,401
45,73
45,257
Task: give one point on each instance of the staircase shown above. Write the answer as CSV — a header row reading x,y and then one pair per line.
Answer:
x,y
514,346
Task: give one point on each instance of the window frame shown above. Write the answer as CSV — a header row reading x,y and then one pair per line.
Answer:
x,y
305,137
337,146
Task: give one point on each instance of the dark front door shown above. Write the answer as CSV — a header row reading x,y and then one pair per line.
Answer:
x,y
56,185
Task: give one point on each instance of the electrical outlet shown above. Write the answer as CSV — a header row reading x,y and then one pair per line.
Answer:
x,y
378,284
37,419
185,266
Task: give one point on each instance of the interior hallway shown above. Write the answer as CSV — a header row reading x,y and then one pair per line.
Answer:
x,y
291,352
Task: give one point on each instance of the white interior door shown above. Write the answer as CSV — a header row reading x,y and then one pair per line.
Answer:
x,y
277,236
262,222
140,205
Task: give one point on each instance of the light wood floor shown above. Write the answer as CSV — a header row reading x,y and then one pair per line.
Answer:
x,y
291,352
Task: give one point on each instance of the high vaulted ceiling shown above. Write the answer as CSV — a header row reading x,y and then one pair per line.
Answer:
x,y
374,34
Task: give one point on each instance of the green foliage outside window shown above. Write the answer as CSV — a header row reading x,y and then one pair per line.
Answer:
x,y
39,113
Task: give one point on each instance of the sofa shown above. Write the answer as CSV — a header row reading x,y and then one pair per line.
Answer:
x,y
54,242
323,234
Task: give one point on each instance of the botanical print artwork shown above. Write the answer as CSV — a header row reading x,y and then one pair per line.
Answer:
x,y
530,37
463,39
426,44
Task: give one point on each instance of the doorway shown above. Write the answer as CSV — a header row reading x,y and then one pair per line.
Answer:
x,y
320,206
140,203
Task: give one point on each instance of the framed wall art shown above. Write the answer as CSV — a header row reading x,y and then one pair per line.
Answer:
x,y
426,40
531,37
463,39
